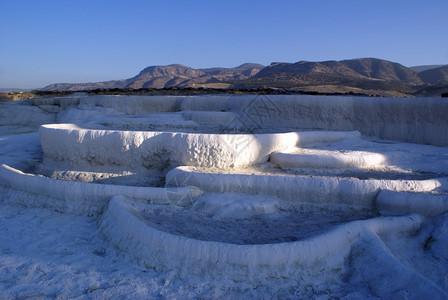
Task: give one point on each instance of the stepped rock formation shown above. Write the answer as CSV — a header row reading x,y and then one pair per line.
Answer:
x,y
296,194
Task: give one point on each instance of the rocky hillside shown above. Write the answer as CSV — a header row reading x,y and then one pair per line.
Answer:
x,y
364,75
244,71
169,76
419,69
367,75
435,76
366,68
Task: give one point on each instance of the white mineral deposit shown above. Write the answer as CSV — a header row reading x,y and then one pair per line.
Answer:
x,y
223,197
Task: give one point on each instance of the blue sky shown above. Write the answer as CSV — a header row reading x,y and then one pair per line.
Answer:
x,y
46,41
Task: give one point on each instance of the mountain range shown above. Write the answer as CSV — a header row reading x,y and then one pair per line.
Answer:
x,y
364,75
169,76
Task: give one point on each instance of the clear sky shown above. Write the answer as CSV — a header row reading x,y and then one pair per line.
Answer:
x,y
50,41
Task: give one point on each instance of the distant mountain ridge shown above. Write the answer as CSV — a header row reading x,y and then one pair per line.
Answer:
x,y
6,90
175,75
419,69
435,76
365,68
362,75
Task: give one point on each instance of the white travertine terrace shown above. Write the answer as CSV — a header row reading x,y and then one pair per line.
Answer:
x,y
239,158
326,251
81,197
327,159
326,191
78,146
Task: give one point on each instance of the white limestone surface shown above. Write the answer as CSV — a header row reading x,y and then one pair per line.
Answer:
x,y
108,118
236,206
386,257
164,251
20,117
401,203
414,120
306,189
18,113
132,105
327,159
152,149
397,156
81,197
418,120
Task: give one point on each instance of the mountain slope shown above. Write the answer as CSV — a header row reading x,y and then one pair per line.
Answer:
x,y
435,76
373,68
243,71
168,76
364,68
162,76
419,69
363,75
